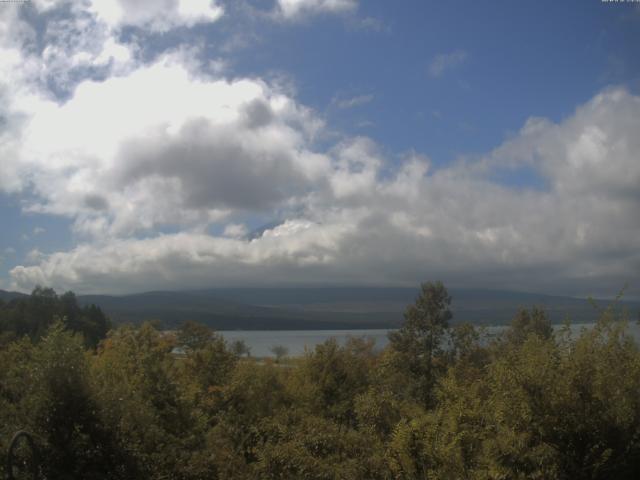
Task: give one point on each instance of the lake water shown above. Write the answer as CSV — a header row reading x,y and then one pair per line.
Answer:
x,y
261,341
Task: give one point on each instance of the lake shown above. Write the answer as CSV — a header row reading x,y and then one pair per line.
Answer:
x,y
261,341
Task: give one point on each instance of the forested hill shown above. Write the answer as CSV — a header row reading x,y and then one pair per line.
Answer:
x,y
318,308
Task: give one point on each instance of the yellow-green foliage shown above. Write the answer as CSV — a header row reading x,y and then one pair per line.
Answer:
x,y
448,404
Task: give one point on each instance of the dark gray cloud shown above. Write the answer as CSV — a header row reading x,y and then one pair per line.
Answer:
x,y
216,167
96,202
258,113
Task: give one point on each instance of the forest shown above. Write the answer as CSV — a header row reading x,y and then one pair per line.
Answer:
x,y
442,401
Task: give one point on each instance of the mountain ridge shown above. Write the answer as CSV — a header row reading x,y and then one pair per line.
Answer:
x,y
312,308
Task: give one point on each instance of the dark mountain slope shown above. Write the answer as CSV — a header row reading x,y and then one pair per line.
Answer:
x,y
8,296
327,308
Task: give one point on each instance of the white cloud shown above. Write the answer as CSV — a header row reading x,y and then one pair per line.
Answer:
x,y
590,154
156,15
81,39
170,258
356,168
353,102
34,256
235,230
365,221
161,146
296,9
446,61
57,46
371,24
210,146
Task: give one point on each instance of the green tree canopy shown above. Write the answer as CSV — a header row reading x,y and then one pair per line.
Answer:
x,y
33,315
418,342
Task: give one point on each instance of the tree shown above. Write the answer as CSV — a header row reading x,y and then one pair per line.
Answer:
x,y
464,340
33,315
240,348
331,376
193,336
280,351
208,367
58,408
418,342
525,323
135,380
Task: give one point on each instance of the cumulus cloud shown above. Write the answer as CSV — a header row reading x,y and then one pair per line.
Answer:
x,y
235,230
366,221
156,15
446,61
188,258
133,149
59,43
55,46
296,9
210,146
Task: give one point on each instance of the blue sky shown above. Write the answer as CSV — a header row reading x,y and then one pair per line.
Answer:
x,y
487,144
521,59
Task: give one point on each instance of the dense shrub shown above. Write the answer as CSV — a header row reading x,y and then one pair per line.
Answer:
x,y
439,402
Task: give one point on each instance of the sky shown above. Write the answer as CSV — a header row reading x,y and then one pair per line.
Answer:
x,y
179,144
